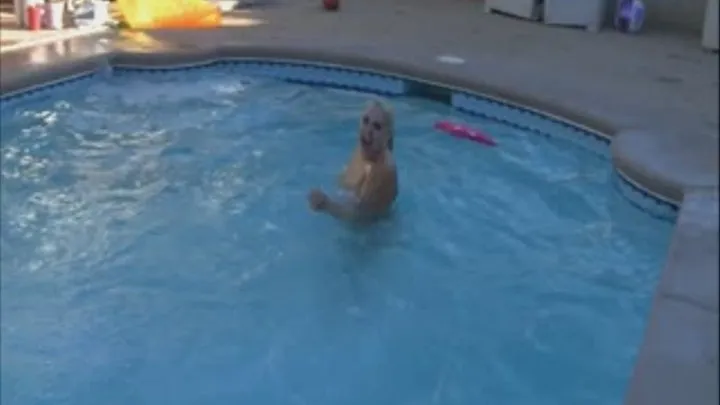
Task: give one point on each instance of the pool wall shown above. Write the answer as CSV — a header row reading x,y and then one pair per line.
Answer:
x,y
680,342
384,84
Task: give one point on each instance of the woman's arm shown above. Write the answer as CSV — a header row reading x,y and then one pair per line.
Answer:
x,y
353,171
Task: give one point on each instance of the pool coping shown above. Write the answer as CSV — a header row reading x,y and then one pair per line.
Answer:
x,y
688,285
53,36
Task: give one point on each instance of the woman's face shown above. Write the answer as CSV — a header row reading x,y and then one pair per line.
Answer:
x,y
374,133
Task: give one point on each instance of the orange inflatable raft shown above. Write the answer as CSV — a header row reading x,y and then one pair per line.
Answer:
x,y
149,14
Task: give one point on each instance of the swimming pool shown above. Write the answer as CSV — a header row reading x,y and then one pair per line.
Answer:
x,y
158,248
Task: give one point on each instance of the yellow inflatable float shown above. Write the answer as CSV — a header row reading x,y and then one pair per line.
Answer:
x,y
149,14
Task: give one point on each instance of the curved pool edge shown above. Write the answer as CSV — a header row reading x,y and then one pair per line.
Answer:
x,y
662,205
682,308
659,162
663,174
677,362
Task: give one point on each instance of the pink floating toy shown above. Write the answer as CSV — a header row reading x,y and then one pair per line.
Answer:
x,y
464,132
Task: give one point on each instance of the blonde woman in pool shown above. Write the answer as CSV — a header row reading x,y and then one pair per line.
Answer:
x,y
370,179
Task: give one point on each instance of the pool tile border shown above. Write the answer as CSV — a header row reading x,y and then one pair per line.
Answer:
x,y
349,79
644,199
30,93
541,124
327,75
335,76
655,375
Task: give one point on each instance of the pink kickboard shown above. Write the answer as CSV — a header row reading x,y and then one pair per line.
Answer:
x,y
461,131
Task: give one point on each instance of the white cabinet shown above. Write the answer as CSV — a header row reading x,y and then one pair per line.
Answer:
x,y
710,27
589,14
528,9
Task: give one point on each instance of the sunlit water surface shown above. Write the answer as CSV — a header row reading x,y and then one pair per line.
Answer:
x,y
157,248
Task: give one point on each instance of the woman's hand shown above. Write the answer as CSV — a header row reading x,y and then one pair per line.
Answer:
x,y
318,200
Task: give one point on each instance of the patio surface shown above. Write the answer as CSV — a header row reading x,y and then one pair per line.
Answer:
x,y
13,36
660,83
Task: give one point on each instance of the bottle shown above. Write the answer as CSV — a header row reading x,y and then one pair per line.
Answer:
x,y
629,16
55,11
33,16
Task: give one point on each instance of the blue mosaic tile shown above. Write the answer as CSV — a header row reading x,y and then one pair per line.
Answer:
x,y
319,75
324,76
352,79
547,126
44,91
124,70
651,204
530,121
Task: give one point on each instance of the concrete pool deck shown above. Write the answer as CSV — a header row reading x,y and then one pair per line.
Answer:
x,y
656,93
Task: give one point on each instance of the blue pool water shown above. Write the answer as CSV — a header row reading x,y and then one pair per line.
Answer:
x,y
157,248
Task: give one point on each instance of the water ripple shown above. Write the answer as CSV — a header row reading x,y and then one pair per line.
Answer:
x,y
155,233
